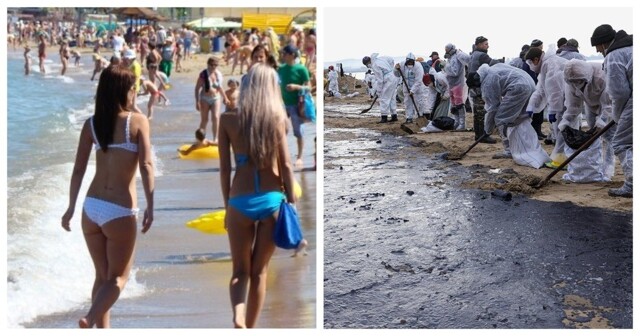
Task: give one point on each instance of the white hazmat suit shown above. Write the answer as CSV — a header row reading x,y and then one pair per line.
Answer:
x,y
413,75
456,77
505,91
332,76
549,94
585,91
385,83
618,67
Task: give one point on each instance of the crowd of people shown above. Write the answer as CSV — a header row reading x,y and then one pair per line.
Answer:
x,y
260,110
514,98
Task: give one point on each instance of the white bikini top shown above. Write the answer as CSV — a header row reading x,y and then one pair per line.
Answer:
x,y
128,145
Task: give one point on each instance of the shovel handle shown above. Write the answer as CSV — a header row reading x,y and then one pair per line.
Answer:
x,y
580,150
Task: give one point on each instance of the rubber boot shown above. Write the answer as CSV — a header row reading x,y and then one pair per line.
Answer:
x,y
536,121
461,116
478,129
456,117
624,191
394,117
383,120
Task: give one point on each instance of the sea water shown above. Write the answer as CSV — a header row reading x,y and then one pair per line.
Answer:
x,y
47,268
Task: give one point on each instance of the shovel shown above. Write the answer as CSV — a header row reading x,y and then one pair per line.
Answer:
x,y
408,89
370,107
459,157
582,148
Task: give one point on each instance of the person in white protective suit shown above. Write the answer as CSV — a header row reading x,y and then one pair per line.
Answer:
x,y
332,76
415,93
505,91
584,91
368,81
385,84
456,77
617,48
570,51
441,86
549,94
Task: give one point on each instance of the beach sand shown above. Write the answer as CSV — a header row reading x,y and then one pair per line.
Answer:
x,y
479,158
186,272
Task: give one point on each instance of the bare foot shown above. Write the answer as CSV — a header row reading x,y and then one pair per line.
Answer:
x,y
299,163
302,247
238,324
83,323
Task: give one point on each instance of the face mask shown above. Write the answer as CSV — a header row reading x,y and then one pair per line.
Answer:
x,y
410,66
533,67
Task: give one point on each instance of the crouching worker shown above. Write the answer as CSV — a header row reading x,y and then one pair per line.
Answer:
x,y
585,87
505,91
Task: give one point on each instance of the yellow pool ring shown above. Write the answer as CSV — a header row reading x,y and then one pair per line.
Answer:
x,y
297,189
213,222
209,152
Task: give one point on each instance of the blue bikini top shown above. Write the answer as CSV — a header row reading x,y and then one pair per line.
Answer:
x,y
127,145
243,160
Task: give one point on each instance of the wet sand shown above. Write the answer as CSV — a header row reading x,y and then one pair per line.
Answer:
x,y
185,273
413,241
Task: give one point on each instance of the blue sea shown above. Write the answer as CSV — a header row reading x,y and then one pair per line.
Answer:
x,y
180,276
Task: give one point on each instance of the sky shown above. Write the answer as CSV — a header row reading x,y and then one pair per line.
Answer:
x,y
397,31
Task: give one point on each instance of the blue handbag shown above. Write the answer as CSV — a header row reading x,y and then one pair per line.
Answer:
x,y
306,104
287,233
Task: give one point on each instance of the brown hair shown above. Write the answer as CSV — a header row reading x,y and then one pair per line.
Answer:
x,y
112,97
533,53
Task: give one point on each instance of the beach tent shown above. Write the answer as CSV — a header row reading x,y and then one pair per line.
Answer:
x,y
216,23
279,22
139,12
307,25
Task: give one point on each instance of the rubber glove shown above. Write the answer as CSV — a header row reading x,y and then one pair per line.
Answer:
x,y
600,123
552,118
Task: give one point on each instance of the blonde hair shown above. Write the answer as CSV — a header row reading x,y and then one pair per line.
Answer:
x,y
261,114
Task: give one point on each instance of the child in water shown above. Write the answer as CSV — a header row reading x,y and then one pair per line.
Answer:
x,y
232,93
149,88
201,142
76,57
27,59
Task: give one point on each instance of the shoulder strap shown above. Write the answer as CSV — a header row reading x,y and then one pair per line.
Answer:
x,y
93,132
127,128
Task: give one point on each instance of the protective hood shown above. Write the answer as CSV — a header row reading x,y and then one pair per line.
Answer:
x,y
482,71
411,56
577,70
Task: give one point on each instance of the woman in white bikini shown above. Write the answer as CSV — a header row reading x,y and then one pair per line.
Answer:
x,y
208,92
121,141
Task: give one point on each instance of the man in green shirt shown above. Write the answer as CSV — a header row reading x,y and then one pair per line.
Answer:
x,y
293,78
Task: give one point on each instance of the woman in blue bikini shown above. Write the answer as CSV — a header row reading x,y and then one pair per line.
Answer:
x,y
256,133
121,141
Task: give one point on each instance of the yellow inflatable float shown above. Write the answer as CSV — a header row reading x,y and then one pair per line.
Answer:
x,y
213,222
209,152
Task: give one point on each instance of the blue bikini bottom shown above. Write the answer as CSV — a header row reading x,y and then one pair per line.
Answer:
x,y
258,206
